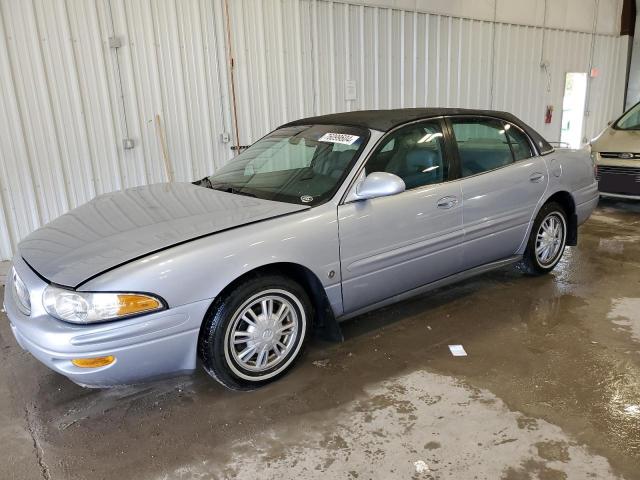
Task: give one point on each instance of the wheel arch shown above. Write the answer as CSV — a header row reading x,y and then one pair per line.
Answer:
x,y
325,324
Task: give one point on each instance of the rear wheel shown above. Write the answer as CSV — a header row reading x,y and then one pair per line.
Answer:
x,y
255,334
547,240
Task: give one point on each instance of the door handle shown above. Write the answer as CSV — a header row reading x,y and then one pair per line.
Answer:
x,y
447,202
536,177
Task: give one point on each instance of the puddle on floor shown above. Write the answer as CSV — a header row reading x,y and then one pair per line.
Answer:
x,y
398,428
626,313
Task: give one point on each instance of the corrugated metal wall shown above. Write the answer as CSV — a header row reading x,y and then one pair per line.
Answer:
x,y
402,58
67,99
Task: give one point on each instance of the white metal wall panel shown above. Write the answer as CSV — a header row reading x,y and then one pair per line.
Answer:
x,y
67,99
404,58
36,124
20,211
607,93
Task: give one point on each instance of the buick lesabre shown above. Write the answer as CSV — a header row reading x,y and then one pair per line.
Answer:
x,y
321,220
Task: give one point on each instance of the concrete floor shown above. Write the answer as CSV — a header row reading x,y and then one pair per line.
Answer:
x,y
550,389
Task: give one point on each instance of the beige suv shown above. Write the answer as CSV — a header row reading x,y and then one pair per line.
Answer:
x,y
616,152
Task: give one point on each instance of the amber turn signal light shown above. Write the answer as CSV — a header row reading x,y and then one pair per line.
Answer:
x,y
130,304
93,362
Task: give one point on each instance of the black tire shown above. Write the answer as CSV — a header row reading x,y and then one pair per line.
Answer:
x,y
221,358
531,263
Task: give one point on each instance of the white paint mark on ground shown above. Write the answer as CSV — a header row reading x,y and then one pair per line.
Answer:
x,y
421,467
457,351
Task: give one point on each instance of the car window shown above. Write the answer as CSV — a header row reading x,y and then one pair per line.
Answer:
x,y
520,145
630,120
415,153
282,156
482,144
388,146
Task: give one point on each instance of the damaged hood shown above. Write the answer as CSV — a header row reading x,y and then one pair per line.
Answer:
x,y
118,227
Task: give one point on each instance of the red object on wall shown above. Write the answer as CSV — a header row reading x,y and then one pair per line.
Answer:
x,y
548,114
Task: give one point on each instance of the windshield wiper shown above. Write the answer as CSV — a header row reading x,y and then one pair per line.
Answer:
x,y
222,187
229,189
240,192
205,182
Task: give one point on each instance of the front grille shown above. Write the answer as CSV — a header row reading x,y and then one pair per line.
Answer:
x,y
620,180
613,170
620,155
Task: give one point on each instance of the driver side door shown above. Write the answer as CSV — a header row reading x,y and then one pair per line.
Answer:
x,y
390,245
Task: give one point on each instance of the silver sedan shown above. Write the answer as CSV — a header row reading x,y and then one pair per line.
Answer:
x,y
321,220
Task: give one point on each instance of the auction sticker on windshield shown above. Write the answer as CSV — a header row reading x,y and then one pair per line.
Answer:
x,y
342,138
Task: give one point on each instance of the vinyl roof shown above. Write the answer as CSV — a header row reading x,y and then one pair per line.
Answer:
x,y
385,120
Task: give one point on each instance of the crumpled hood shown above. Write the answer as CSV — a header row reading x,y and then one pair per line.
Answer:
x,y
617,141
118,227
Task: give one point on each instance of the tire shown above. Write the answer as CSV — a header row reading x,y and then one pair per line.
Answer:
x,y
546,259
268,341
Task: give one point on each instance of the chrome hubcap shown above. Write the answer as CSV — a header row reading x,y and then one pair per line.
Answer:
x,y
550,239
263,333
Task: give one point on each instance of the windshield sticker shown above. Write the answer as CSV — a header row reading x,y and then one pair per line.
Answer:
x,y
342,138
306,198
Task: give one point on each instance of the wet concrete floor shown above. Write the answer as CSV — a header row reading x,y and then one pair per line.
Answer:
x,y
550,389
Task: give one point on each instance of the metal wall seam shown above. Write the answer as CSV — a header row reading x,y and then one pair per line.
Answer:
x,y
217,84
100,111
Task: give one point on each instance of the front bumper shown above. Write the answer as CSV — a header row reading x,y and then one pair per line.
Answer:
x,y
146,347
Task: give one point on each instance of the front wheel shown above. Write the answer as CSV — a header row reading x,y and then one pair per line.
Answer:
x,y
547,240
254,334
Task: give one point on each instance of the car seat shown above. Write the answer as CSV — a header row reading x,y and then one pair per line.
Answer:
x,y
417,163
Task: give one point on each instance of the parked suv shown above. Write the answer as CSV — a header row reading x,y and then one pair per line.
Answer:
x,y
616,152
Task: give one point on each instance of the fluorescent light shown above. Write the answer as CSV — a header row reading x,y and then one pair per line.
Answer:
x,y
429,137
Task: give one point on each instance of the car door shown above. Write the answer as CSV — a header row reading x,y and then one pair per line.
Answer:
x,y
390,245
502,182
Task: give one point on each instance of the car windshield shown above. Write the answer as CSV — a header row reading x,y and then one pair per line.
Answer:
x,y
630,120
300,164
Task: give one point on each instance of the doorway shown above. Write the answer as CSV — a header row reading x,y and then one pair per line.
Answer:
x,y
575,95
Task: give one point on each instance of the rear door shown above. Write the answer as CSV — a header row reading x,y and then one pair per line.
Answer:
x,y
502,182
393,244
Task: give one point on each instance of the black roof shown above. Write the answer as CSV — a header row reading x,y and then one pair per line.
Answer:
x,y
385,120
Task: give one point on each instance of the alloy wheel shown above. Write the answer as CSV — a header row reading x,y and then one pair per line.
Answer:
x,y
550,239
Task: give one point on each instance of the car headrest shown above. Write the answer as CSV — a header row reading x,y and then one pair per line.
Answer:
x,y
421,158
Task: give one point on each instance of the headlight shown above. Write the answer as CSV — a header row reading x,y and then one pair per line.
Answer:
x,y
88,307
20,293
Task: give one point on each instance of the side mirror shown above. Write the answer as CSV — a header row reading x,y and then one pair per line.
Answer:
x,y
377,184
